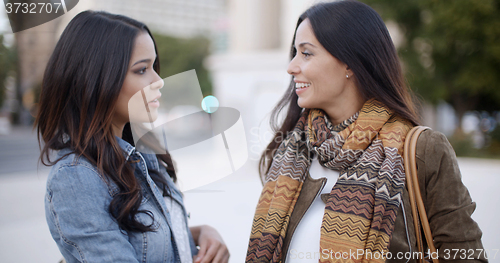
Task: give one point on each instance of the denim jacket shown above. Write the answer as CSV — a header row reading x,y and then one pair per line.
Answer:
x,y
76,208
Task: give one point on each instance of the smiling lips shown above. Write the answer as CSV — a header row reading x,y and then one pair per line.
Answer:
x,y
155,102
299,85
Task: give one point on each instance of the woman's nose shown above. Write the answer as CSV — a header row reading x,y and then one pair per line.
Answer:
x,y
293,68
158,84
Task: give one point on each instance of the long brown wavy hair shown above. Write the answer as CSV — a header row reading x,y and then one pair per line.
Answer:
x,y
356,35
80,88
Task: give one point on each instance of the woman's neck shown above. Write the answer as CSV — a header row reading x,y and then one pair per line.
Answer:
x,y
117,129
345,109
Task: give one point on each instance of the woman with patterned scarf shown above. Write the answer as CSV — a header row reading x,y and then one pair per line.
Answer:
x,y
334,181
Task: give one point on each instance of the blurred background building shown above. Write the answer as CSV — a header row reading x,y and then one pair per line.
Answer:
x,y
184,19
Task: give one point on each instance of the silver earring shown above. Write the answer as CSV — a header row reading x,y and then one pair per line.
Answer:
x,y
347,76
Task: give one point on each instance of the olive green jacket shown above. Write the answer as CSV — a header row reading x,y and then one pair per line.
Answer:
x,y
447,203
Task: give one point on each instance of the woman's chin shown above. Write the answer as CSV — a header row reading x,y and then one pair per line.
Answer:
x,y
304,103
145,118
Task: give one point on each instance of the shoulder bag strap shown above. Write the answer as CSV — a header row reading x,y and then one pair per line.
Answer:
x,y
417,205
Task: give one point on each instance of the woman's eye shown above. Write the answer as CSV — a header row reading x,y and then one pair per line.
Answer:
x,y
142,71
306,54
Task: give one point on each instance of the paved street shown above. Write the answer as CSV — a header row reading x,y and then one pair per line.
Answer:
x,y
19,151
227,204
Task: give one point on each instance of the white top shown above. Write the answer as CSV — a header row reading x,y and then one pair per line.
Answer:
x,y
304,246
179,229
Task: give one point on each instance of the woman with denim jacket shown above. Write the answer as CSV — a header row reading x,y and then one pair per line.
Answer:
x,y
334,181
106,201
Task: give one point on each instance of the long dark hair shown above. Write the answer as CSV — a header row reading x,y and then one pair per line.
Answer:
x,y
356,35
80,88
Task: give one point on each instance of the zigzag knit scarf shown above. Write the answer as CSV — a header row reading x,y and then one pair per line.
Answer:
x,y
362,206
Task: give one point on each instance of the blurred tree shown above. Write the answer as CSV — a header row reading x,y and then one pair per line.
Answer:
x,y
451,49
7,63
179,55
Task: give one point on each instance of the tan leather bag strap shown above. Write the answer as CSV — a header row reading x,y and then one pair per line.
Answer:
x,y
417,205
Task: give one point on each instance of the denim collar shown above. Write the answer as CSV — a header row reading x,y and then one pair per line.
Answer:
x,y
126,147
128,150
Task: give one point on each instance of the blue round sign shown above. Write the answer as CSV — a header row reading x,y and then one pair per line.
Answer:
x,y
210,104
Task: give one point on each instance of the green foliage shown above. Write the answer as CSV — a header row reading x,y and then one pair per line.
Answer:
x,y
179,55
7,61
495,134
452,49
463,147
494,146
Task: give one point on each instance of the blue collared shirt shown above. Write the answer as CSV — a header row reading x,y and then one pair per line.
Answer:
x,y
76,209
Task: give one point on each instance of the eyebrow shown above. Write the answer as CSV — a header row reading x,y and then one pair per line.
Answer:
x,y
140,61
306,43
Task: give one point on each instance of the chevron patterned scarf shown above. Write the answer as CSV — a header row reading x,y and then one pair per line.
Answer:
x,y
361,210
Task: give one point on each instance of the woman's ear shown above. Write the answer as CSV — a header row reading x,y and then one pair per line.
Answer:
x,y
348,72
